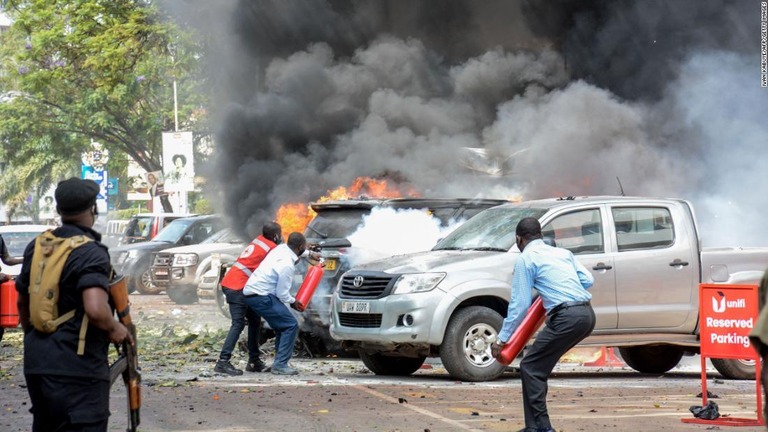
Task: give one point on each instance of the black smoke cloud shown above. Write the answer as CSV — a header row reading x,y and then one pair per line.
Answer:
x,y
570,95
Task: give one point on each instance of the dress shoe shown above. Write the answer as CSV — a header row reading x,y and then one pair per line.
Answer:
x,y
255,366
226,368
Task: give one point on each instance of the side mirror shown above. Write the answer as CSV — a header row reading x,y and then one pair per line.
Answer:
x,y
187,239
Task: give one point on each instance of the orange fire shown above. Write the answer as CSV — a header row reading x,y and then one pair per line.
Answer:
x,y
294,217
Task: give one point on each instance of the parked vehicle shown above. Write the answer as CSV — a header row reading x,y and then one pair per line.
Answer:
x,y
145,226
113,232
16,238
644,253
179,270
337,220
134,260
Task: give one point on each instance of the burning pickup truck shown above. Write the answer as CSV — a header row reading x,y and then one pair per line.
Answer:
x,y
644,253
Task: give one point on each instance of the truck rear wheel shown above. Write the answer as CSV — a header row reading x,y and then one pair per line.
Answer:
x,y
387,365
651,359
735,368
466,347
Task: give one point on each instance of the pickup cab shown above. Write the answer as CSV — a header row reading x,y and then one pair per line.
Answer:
x,y
645,254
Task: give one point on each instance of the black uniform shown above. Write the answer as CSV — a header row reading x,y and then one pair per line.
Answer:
x,y
67,389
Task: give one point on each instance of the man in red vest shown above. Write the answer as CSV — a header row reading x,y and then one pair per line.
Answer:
x,y
232,285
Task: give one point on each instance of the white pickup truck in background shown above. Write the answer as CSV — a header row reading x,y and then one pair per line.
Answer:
x,y
645,254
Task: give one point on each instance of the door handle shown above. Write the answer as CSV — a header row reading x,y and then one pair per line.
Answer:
x,y
601,266
678,262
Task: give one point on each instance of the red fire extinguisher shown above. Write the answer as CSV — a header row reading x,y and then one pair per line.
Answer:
x,y
532,321
308,287
9,312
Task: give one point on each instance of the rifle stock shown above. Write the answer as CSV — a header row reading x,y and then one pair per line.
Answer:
x,y
127,364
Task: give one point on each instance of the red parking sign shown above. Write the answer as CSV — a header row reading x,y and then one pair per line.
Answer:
x,y
728,314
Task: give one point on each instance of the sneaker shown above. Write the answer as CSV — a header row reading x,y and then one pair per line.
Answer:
x,y
226,368
285,370
256,366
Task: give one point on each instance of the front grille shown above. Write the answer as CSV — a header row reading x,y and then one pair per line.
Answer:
x,y
163,260
360,320
371,286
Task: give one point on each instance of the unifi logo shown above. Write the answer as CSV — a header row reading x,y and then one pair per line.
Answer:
x,y
720,305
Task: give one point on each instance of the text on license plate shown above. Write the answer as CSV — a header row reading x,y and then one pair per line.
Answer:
x,y
330,264
356,307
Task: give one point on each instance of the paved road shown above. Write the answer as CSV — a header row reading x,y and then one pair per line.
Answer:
x,y
182,394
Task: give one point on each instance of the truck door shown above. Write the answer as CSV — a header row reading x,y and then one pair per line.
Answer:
x,y
655,267
582,232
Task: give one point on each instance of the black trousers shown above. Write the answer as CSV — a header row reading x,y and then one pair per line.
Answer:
x,y
62,403
563,330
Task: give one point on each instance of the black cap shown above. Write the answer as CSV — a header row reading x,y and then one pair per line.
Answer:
x,y
74,196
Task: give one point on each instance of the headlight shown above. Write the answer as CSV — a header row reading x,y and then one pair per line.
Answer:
x,y
419,282
184,259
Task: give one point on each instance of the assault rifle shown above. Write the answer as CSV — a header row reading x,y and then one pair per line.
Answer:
x,y
127,363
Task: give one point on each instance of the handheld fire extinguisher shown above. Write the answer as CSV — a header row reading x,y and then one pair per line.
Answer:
x,y
532,321
9,312
308,287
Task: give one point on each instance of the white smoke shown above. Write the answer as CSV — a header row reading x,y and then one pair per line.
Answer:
x,y
724,112
386,232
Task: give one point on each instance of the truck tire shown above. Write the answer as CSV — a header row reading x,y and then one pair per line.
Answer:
x,y
393,366
466,347
735,368
221,303
183,296
651,359
143,283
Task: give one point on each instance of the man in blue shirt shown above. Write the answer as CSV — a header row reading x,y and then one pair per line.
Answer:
x,y
267,293
562,283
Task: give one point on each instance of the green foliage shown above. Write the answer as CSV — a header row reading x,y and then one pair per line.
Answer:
x,y
203,206
91,70
122,214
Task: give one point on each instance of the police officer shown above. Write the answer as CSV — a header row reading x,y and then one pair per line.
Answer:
x,y
70,391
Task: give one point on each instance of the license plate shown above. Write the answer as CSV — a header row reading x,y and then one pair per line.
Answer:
x,y
330,264
356,307
162,272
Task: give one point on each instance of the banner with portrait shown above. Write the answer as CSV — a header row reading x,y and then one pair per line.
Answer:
x,y
178,162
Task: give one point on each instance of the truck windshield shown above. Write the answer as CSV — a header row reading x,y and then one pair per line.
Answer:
x,y
336,223
173,232
492,230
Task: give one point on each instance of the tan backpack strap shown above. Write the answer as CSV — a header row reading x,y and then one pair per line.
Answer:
x,y
83,329
55,323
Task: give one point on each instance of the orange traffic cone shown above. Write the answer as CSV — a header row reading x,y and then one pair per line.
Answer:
x,y
607,358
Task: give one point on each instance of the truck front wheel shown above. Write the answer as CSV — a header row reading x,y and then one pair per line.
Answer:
x,y
735,368
651,359
466,347
387,365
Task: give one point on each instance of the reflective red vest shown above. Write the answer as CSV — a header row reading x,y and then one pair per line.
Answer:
x,y
249,259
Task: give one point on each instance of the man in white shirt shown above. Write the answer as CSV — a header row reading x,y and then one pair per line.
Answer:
x,y
267,292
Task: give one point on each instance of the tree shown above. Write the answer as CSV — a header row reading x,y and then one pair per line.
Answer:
x,y
80,70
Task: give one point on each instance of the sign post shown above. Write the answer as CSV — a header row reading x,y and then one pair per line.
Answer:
x,y
727,314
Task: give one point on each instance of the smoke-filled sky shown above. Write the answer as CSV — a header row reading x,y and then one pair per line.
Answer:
x,y
664,95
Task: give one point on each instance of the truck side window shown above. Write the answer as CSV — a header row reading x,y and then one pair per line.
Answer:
x,y
643,228
580,232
